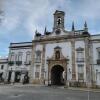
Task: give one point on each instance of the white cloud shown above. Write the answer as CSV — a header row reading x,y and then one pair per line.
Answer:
x,y
29,12
86,9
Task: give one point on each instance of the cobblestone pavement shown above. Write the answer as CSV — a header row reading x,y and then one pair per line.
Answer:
x,y
19,92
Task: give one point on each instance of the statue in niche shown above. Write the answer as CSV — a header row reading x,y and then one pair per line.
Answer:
x,y
57,55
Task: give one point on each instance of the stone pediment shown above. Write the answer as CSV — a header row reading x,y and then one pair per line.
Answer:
x,y
80,49
57,55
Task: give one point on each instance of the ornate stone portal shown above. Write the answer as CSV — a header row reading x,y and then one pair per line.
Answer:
x,y
57,68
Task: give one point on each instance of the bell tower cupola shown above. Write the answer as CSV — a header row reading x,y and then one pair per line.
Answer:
x,y
58,20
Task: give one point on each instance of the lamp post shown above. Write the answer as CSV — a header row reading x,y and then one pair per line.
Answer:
x,y
96,75
69,71
11,75
48,69
67,80
44,76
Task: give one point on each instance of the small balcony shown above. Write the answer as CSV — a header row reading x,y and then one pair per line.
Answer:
x,y
98,61
37,60
18,63
10,63
80,59
27,63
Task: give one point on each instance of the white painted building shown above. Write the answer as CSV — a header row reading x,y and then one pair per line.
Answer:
x,y
3,69
65,57
59,57
19,61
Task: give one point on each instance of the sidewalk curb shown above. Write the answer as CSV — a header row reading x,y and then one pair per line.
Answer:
x,y
86,89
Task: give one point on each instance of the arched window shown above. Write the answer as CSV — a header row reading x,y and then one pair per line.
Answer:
x,y
57,55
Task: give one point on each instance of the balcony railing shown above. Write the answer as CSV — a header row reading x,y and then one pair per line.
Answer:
x,y
10,63
18,63
98,61
80,59
27,63
37,60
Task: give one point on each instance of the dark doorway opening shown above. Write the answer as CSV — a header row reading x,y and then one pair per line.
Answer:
x,y
9,76
56,75
17,76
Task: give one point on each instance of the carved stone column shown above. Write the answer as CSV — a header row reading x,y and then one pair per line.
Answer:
x,y
73,60
43,64
31,71
87,58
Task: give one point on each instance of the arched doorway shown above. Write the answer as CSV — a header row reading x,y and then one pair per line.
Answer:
x,y
56,75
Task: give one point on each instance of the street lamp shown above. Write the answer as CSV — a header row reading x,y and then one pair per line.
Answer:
x,y
11,75
96,75
44,76
67,80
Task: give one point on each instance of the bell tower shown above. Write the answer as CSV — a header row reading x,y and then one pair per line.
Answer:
x,y
58,20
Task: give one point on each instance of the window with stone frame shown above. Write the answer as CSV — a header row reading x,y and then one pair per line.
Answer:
x,y
28,56
20,54
98,54
12,56
80,72
80,54
37,71
2,66
19,58
99,75
38,56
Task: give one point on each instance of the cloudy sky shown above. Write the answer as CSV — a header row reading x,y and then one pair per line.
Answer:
x,y
20,18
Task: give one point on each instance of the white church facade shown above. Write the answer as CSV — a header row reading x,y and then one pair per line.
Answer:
x,y
59,57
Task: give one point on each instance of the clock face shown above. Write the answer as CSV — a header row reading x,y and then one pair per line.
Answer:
x,y
58,31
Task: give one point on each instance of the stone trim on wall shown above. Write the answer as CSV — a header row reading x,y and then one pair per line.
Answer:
x,y
88,69
73,60
56,40
43,62
31,71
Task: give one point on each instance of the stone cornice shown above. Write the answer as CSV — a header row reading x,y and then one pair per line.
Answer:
x,y
21,43
3,62
20,46
59,38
